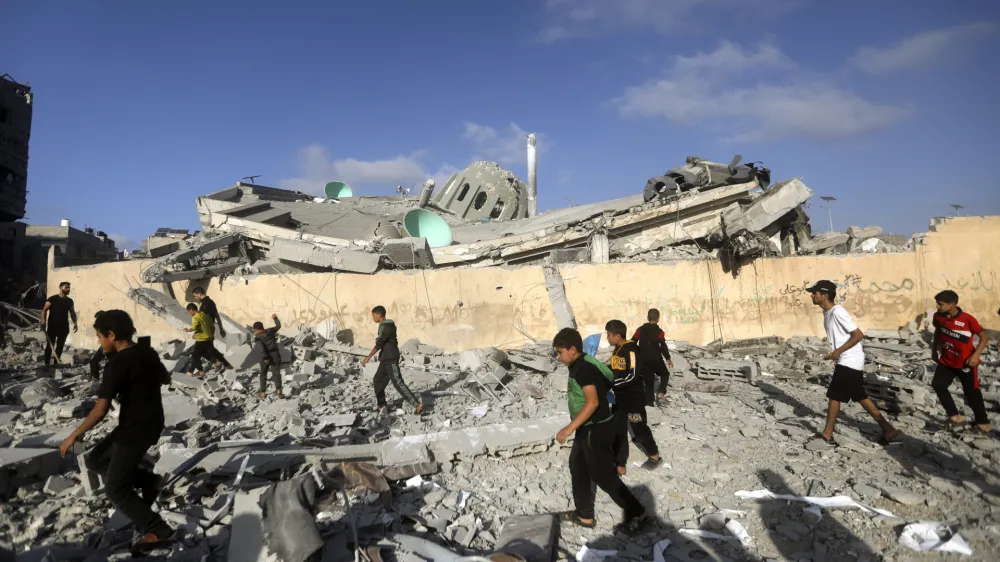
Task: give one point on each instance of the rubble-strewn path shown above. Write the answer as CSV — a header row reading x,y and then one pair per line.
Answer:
x,y
484,452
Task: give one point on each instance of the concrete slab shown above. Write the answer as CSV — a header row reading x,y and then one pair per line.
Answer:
x,y
532,537
46,440
19,467
178,409
246,540
184,381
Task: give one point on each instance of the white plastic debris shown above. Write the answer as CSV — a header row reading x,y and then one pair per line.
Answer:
x,y
479,411
870,245
658,550
830,502
739,531
933,536
588,554
463,497
415,482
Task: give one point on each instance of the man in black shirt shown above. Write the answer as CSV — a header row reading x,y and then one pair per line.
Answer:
x,y
387,347
58,309
207,305
592,459
630,405
133,377
653,351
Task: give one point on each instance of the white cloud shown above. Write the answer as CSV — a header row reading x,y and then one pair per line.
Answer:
x,y
123,242
581,18
705,89
507,147
317,169
922,49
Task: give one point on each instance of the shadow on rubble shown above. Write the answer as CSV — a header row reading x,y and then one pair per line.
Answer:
x,y
798,535
913,454
683,548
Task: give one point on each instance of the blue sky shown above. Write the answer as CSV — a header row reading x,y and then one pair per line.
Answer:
x,y
140,107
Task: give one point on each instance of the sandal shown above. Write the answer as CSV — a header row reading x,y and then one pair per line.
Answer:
x,y
574,518
976,430
831,441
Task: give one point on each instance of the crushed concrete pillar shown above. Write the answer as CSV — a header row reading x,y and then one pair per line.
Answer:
x,y
557,295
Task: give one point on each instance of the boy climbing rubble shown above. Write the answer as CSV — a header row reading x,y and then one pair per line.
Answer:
x,y
387,346
134,376
653,351
957,358
848,374
203,332
592,458
266,343
630,407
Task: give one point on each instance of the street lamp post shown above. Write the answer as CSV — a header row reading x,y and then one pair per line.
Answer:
x,y
829,210
958,209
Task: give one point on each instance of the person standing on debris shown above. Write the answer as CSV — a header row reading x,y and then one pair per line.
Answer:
x,y
849,357
592,458
653,351
387,346
133,377
56,312
630,403
207,305
957,358
203,332
266,343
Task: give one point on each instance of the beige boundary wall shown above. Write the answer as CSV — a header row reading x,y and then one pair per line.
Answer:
x,y
464,308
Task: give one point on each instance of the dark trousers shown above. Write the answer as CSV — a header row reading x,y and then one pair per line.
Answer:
x,y
388,371
592,461
204,350
57,337
276,374
630,416
120,465
650,371
944,376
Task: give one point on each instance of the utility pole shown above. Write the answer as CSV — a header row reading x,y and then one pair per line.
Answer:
x,y
829,210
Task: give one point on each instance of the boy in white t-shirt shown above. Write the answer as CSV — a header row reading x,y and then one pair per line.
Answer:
x,y
848,375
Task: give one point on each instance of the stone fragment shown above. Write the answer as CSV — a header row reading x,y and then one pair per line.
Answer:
x,y
40,392
712,521
901,495
58,483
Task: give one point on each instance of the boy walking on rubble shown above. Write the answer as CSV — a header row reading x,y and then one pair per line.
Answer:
x,y
653,351
266,343
134,376
592,458
207,305
848,355
203,334
630,405
957,358
387,346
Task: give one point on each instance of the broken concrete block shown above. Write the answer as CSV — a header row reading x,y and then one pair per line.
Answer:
x,y
40,392
409,346
8,414
557,296
185,381
46,440
532,537
93,481
304,353
242,357
58,483
307,368
178,409
408,252
723,369
875,333
342,259
532,361
19,467
824,241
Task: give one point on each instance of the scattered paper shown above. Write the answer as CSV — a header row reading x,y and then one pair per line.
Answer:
x,y
415,482
933,536
739,533
830,502
478,411
658,550
463,497
588,554
707,534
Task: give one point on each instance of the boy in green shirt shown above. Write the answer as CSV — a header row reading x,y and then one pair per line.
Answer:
x,y
592,459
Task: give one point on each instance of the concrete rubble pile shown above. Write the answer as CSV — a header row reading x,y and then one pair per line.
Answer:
x,y
480,217
318,475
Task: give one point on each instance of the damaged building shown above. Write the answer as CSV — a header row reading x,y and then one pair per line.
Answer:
x,y
481,217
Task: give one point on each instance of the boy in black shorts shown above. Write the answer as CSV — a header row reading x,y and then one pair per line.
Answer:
x,y
848,375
